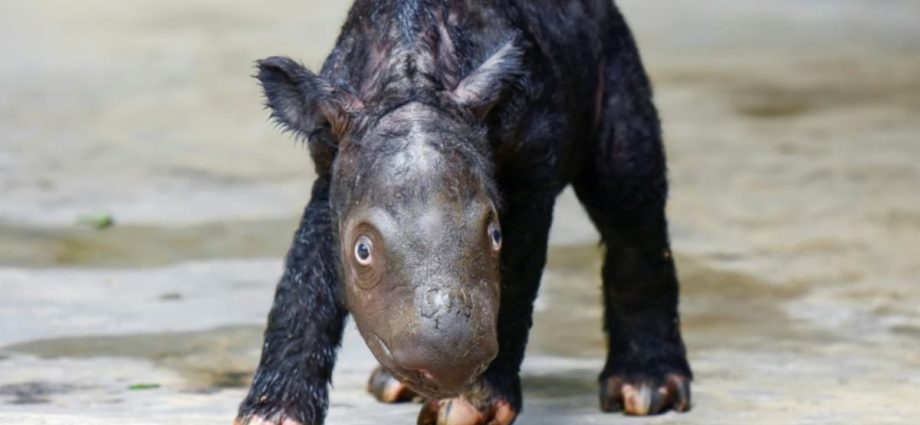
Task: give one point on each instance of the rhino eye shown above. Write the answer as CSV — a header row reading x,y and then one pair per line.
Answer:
x,y
495,235
364,250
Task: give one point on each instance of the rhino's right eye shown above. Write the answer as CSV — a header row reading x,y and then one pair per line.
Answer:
x,y
495,235
364,251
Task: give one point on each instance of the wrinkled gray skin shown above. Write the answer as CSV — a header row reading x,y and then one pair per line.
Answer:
x,y
426,300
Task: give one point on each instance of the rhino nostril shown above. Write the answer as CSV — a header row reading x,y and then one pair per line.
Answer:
x,y
435,301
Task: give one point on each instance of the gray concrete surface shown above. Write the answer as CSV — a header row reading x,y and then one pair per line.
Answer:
x,y
794,150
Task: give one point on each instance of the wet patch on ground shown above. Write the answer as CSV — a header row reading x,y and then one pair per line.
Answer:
x,y
766,102
220,358
142,246
33,392
805,85
907,330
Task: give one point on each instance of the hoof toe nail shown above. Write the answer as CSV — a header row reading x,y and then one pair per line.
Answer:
x,y
637,401
387,389
459,412
504,415
645,397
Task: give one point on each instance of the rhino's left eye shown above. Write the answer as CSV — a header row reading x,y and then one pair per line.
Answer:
x,y
364,250
495,235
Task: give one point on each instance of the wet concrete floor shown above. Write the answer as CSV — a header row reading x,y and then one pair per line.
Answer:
x,y
793,142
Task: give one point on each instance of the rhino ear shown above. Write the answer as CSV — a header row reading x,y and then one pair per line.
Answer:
x,y
303,102
483,87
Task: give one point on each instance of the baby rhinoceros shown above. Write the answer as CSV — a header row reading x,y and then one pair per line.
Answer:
x,y
442,132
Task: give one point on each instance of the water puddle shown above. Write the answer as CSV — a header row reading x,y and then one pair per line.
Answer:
x,y
219,358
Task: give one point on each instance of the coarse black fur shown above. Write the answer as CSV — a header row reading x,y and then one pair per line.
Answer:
x,y
571,104
305,324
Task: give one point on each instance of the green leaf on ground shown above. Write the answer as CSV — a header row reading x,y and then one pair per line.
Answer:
x,y
144,386
100,221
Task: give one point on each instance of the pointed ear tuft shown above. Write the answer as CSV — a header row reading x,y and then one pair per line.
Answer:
x,y
483,87
301,101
